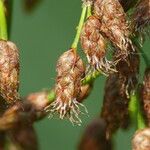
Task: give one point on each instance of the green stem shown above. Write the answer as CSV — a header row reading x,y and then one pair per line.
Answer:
x,y
89,11
79,28
51,96
3,24
140,121
141,124
89,78
135,111
133,107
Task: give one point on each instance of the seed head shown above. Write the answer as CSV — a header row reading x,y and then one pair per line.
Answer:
x,y
24,137
115,104
94,137
117,89
9,71
38,100
70,70
129,69
141,140
141,17
94,46
114,24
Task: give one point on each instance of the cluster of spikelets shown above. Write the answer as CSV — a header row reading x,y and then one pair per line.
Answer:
x,y
107,24
106,29
9,71
70,71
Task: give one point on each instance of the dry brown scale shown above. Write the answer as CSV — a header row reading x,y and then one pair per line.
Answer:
x,y
38,100
115,104
114,24
129,69
23,138
145,95
94,46
141,17
94,137
70,71
141,139
117,89
9,71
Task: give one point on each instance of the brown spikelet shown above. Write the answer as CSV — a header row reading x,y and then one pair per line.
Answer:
x,y
11,117
141,17
94,46
141,140
24,137
115,105
9,71
114,24
145,95
129,69
70,70
38,100
94,137
116,98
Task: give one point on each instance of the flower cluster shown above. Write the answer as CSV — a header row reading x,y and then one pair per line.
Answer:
x,y
9,71
70,71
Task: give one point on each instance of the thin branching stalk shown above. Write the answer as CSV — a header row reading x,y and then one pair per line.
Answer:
x,y
3,22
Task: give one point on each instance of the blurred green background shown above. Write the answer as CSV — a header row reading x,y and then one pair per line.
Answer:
x,y
42,36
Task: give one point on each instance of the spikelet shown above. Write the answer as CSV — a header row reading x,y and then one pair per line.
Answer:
x,y
117,90
70,70
94,46
94,137
9,71
115,104
141,17
24,137
145,95
129,69
114,24
141,140
38,100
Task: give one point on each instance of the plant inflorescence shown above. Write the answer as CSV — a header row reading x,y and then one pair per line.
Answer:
x,y
116,28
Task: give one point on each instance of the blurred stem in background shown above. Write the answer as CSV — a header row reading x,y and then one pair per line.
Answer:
x,y
3,22
135,111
